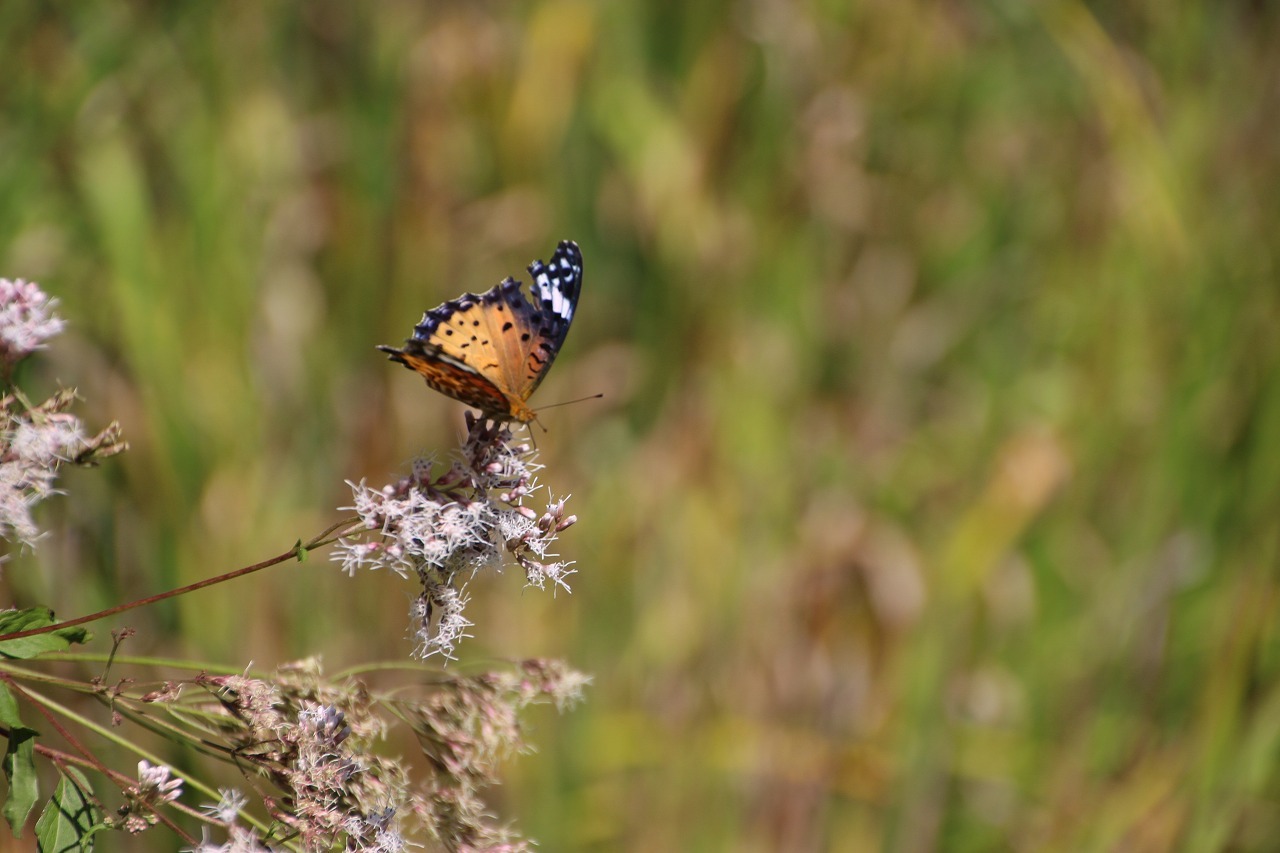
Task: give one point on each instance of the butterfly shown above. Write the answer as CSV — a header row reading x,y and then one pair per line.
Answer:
x,y
492,350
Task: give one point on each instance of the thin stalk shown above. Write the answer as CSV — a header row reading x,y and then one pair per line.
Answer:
x,y
297,551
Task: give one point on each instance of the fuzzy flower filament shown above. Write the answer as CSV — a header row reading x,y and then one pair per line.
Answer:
x,y
443,526
27,319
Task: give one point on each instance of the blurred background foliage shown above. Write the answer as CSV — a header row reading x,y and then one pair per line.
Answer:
x,y
933,500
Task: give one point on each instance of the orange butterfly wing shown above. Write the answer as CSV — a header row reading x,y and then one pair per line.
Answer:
x,y
492,350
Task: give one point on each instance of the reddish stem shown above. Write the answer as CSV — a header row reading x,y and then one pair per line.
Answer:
x,y
90,759
295,551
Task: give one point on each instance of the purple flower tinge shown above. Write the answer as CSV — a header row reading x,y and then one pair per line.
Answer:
x,y
36,440
156,787
157,784
26,319
314,738
34,443
444,527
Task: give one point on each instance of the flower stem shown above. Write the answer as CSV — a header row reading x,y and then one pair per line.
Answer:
x,y
295,552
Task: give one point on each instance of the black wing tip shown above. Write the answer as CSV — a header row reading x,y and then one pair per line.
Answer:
x,y
567,251
570,248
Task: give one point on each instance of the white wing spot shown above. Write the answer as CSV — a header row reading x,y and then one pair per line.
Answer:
x,y
555,295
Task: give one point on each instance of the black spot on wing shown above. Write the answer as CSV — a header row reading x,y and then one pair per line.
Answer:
x,y
544,320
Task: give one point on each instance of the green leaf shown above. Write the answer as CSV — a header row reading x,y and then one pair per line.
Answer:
x,y
71,818
19,765
14,621
9,715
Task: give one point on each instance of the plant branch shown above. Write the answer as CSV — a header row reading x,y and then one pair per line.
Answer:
x,y
118,778
295,552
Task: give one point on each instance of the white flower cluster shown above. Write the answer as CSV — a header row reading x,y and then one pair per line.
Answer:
x,y
157,784
313,739
26,319
33,445
35,440
417,527
443,529
243,840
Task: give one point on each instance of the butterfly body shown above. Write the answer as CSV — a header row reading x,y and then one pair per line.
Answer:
x,y
492,350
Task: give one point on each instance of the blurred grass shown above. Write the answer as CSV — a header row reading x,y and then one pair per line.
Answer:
x,y
933,501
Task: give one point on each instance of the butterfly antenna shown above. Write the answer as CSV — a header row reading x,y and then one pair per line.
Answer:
x,y
552,406
568,402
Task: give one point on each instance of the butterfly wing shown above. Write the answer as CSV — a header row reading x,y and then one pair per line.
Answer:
x,y
556,287
446,366
492,350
